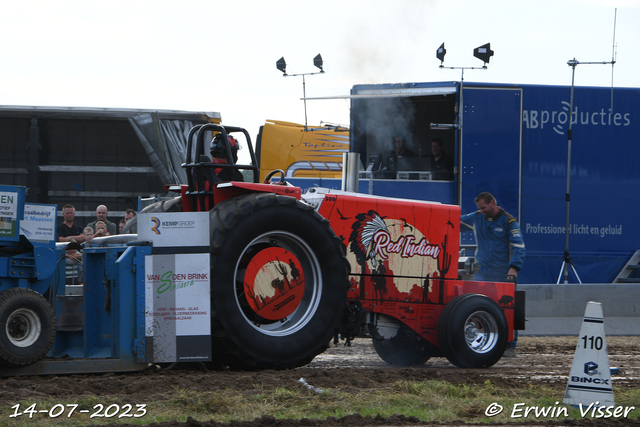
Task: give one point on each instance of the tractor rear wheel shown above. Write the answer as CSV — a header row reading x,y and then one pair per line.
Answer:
x,y
278,282
472,331
27,327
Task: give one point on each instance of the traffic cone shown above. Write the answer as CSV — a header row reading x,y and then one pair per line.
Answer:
x,y
589,383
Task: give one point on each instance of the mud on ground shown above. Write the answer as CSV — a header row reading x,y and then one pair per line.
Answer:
x,y
356,368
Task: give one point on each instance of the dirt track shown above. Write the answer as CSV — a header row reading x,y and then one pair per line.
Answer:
x,y
541,361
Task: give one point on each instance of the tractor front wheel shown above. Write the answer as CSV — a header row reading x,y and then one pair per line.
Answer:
x,y
472,331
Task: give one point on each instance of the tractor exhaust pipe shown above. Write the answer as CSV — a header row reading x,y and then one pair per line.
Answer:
x,y
350,169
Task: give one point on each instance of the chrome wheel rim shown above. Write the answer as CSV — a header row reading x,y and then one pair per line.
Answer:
x,y
481,332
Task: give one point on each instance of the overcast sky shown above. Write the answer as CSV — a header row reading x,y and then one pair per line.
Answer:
x,y
220,56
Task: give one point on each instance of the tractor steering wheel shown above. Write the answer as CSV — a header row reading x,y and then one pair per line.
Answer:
x,y
267,179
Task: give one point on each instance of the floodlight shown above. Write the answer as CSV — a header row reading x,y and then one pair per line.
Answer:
x,y
282,66
483,53
317,61
441,52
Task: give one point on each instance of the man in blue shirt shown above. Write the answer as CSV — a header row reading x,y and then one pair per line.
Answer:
x,y
500,250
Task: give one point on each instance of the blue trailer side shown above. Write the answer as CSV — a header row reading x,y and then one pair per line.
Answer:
x,y
511,140
602,229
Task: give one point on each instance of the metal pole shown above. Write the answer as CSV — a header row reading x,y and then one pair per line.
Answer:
x,y
304,95
460,139
566,263
350,175
568,195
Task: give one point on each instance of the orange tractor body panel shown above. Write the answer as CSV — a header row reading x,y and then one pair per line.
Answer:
x,y
404,259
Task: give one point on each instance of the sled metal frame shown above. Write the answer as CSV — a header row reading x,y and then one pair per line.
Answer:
x,y
102,330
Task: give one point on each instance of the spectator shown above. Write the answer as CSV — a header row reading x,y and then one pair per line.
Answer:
x,y
400,144
75,271
441,163
101,229
88,235
121,225
101,215
68,230
128,214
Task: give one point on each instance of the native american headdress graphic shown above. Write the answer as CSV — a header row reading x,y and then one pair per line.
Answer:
x,y
363,230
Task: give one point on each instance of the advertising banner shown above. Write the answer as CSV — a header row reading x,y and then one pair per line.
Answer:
x,y
9,215
39,223
177,312
169,229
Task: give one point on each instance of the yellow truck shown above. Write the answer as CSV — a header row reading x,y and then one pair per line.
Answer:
x,y
315,152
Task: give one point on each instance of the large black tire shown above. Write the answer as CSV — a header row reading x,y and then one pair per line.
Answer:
x,y
472,331
243,230
405,348
27,327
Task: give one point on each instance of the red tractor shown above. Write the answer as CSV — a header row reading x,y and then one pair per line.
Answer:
x,y
290,271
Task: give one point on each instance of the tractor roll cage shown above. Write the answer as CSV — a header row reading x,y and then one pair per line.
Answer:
x,y
197,191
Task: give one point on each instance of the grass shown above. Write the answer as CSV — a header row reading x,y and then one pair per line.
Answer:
x,y
425,400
